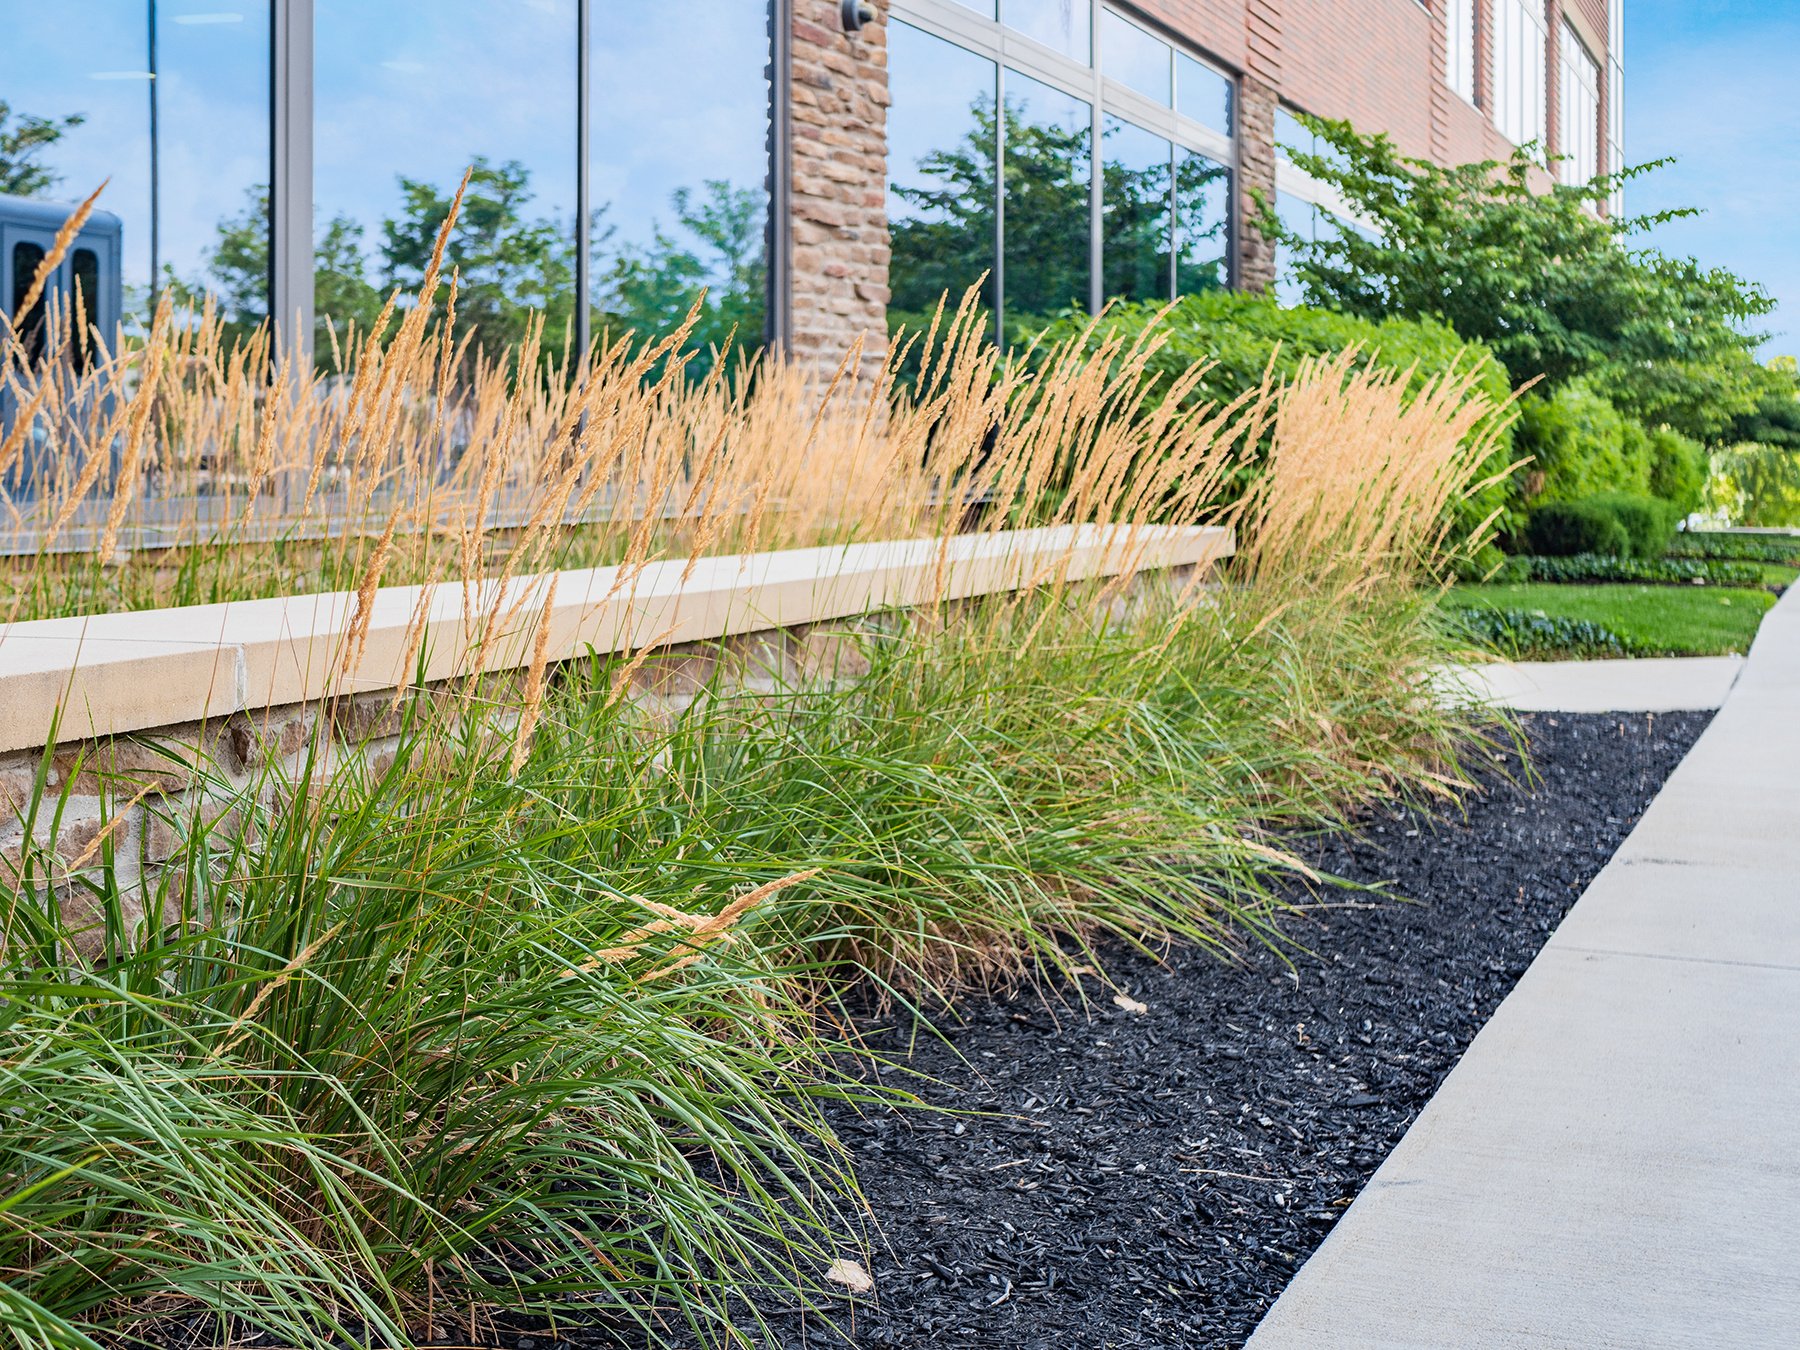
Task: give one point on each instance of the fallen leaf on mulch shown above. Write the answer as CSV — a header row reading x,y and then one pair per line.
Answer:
x,y
1130,1004
851,1275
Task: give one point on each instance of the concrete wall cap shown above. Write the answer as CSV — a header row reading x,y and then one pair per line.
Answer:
x,y
108,674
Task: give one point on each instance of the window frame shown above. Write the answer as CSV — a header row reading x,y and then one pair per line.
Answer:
x,y
1009,48
1577,128
1614,142
1462,50
291,186
1522,92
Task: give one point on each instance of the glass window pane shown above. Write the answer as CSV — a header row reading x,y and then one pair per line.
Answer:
x,y
985,8
1290,135
941,172
84,288
1062,24
27,257
409,94
680,168
1519,69
1203,224
1138,226
75,76
1202,94
1579,104
212,153
1301,217
1134,58
1459,46
1048,226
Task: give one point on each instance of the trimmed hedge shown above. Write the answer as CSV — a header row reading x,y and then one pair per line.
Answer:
x,y
1620,524
1564,529
1589,567
1744,547
1649,523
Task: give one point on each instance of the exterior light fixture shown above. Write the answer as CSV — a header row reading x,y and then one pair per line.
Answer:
x,y
855,13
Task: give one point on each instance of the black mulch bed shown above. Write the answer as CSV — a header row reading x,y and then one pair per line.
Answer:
x,y
1151,1181
1155,1179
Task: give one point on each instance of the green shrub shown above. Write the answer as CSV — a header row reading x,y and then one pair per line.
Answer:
x,y
1241,335
1755,484
1648,523
1489,564
1563,529
1677,470
1557,285
1581,445
1524,635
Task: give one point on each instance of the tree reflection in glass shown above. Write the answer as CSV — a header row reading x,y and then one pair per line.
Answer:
x,y
679,167
1203,223
1137,219
942,216
941,166
1048,223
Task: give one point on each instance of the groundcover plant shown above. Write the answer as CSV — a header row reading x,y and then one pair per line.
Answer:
x,y
531,1008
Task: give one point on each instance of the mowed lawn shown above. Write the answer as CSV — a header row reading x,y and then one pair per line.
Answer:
x,y
1776,574
1656,620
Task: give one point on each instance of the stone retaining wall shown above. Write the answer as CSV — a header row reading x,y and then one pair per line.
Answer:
x,y
128,794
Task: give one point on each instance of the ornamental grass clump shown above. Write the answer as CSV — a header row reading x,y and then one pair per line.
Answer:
x,y
405,1045
526,999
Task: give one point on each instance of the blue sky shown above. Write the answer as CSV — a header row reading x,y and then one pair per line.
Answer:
x,y
1714,83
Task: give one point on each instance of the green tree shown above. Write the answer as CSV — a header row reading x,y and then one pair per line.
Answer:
x,y
1755,484
510,264
1047,218
237,274
345,301
649,288
23,138
947,239
1545,278
1774,419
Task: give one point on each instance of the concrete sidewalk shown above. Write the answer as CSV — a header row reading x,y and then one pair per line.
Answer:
x,y
1641,684
1616,1160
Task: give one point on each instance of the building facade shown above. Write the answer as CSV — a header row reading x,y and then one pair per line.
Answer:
x,y
807,172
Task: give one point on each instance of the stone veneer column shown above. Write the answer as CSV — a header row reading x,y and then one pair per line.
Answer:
x,y
1256,173
837,216
1257,99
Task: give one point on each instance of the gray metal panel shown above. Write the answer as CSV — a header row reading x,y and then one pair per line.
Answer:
x,y
290,202
584,114
50,215
780,321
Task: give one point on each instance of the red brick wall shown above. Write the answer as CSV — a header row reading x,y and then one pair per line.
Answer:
x,y
1378,63
1594,13
1216,27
